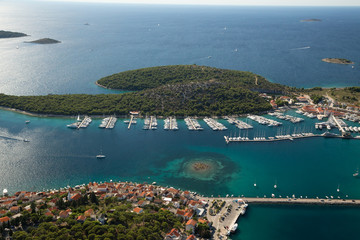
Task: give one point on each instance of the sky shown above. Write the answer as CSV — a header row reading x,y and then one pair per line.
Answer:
x,y
235,2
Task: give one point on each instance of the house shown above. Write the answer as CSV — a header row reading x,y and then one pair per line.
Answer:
x,y
89,212
204,221
273,104
81,219
138,210
302,99
75,197
4,220
174,234
65,214
50,214
190,225
2,212
15,209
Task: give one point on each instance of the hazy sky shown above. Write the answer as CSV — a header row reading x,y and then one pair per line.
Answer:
x,y
236,2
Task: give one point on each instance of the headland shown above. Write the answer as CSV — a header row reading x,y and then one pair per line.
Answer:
x,y
8,34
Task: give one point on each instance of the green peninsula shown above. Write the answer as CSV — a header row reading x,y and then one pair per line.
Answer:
x,y
8,34
45,41
179,90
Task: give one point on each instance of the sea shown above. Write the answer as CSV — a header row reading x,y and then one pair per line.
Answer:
x,y
102,39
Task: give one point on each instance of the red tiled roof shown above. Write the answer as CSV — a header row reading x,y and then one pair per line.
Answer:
x,y
4,219
174,232
137,210
191,222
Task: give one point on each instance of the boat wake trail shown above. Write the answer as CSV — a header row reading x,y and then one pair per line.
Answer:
x,y
301,48
11,138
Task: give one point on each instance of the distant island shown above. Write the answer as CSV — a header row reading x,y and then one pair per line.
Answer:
x,y
311,20
8,34
179,90
44,41
337,60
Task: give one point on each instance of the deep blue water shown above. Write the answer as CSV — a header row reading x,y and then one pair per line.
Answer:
x,y
269,41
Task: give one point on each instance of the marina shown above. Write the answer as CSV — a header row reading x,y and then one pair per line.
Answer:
x,y
238,123
108,122
286,117
193,124
80,123
170,123
264,121
214,125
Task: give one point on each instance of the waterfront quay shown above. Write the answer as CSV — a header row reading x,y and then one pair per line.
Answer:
x,y
223,220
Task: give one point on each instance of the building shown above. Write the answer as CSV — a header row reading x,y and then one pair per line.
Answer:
x,y
191,225
174,234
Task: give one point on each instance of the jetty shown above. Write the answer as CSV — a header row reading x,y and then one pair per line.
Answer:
x,y
264,121
238,123
214,125
108,122
170,124
193,124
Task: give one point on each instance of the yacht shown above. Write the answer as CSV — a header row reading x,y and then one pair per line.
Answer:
x,y
356,174
27,121
234,227
338,189
254,184
73,125
5,192
100,156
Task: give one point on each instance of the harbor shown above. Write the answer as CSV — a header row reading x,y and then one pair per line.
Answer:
x,y
170,123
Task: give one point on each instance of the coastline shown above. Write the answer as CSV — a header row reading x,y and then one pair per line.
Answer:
x,y
102,116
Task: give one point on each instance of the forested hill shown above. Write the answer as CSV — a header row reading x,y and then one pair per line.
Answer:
x,y
169,90
153,77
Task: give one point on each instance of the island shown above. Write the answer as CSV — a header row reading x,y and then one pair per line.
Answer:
x,y
178,90
337,60
8,34
44,41
311,20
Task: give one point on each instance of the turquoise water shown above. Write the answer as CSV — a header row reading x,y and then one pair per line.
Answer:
x,y
270,41
57,156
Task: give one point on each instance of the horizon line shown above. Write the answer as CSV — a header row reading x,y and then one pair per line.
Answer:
x,y
199,4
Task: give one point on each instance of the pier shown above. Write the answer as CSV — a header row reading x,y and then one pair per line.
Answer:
x,y
193,125
131,120
275,139
295,201
85,122
225,218
170,124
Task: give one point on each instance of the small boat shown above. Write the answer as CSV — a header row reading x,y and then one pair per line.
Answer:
x,y
100,156
5,192
255,185
154,183
26,140
356,174
234,227
338,189
27,121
